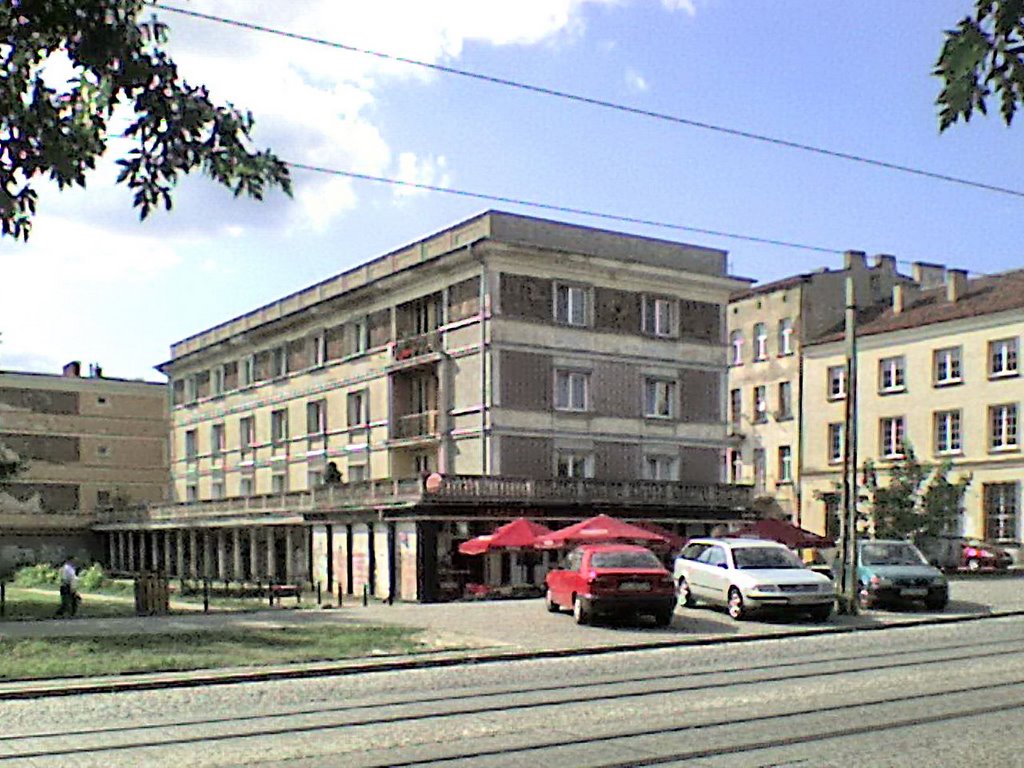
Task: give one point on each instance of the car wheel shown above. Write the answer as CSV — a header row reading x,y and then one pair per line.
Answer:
x,y
736,608
936,603
579,612
973,564
685,595
821,613
550,604
664,618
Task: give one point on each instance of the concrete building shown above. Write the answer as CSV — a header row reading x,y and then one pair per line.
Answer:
x,y
88,442
769,326
938,369
504,366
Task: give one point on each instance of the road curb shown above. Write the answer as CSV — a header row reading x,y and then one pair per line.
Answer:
x,y
26,690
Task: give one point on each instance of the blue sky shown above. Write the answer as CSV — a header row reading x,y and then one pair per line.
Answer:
x,y
96,285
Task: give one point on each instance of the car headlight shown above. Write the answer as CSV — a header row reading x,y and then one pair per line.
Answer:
x,y
829,587
878,581
766,588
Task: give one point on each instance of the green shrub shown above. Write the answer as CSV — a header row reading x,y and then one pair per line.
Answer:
x,y
38,575
92,578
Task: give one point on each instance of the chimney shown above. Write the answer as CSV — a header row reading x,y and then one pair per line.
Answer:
x,y
855,260
956,284
73,370
928,275
904,294
885,262
898,297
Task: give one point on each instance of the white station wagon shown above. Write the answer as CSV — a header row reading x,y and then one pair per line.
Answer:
x,y
747,575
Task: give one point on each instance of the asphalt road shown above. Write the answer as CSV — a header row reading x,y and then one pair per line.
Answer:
x,y
930,695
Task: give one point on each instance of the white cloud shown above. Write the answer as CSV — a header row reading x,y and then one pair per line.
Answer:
x,y
636,82
686,6
426,170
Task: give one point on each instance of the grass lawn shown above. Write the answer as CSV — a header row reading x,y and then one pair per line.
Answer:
x,y
24,603
32,658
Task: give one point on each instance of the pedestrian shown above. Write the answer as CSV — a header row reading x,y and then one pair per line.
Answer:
x,y
68,593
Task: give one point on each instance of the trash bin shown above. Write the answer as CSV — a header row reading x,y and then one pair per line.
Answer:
x,y
151,595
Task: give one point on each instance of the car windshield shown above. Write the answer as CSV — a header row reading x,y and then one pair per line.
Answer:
x,y
765,557
890,553
624,560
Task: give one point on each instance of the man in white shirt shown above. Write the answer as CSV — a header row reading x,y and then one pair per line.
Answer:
x,y
68,582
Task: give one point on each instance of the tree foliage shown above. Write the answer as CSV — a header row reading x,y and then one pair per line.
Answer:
x,y
61,129
983,57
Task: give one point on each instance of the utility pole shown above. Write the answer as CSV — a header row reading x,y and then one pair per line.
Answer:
x,y
848,580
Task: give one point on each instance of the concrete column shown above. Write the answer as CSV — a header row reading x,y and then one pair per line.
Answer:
x,y
222,555
271,560
193,552
289,556
168,555
306,566
207,555
154,545
131,551
179,547
254,551
111,550
122,551
236,554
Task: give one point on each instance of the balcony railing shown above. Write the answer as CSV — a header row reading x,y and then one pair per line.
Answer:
x,y
414,425
417,346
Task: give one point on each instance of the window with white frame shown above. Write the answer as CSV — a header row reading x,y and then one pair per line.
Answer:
x,y
659,318
785,410
217,488
319,348
735,407
947,432
785,336
1002,510
571,390
217,443
661,467
191,445
280,361
785,474
760,404
191,492
891,431
358,408
246,487
760,341
358,473
279,482
247,437
191,388
279,430
574,464
316,417
217,380
248,367
891,374
735,465
836,442
314,478
571,305
736,345
1002,355
360,335
659,398
1003,426
836,382
946,364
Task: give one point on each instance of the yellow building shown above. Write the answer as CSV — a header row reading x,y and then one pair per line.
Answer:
x,y
938,369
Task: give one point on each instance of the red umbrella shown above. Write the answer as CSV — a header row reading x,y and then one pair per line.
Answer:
x,y
784,533
520,533
598,530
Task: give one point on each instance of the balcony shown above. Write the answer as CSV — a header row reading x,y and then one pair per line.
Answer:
x,y
412,347
414,425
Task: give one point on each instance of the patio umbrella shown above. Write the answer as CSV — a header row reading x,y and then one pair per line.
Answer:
x,y
784,533
519,534
599,530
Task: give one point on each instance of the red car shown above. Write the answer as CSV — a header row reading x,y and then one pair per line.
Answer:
x,y
981,556
606,579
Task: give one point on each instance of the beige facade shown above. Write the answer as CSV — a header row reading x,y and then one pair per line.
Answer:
x,y
89,441
940,370
769,327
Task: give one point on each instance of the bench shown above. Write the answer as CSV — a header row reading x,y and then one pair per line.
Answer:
x,y
277,591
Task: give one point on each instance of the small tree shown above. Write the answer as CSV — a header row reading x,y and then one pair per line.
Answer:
x,y
944,501
895,508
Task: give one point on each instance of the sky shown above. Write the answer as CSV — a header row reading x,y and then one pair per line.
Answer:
x,y
97,285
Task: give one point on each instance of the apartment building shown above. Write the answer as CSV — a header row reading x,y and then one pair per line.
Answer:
x,y
940,370
769,326
356,431
89,441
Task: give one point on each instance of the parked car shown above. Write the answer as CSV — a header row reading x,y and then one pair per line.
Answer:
x,y
606,579
890,572
748,575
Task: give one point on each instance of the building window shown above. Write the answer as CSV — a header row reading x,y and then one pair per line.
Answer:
x,y
423,463
1002,509
659,318
191,445
319,344
735,408
217,380
316,418
836,382
759,471
892,435
358,413
785,464
659,398
191,388
836,442
571,305
760,341
360,330
279,430
1002,357
571,390
102,498
280,361
217,440
248,370
245,487
574,464
279,482
661,467
1003,427
247,437
947,432
760,405
736,343
191,492
947,366
735,465
890,374
314,479
785,337
357,473
217,489
785,410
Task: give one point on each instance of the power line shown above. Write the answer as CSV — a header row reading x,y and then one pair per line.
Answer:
x,y
616,106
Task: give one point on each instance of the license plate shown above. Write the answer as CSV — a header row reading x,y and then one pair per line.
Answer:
x,y
635,586
914,592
